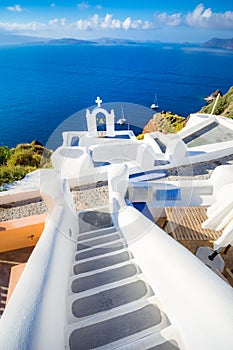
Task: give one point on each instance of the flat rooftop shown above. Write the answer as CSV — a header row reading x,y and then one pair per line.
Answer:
x,y
212,133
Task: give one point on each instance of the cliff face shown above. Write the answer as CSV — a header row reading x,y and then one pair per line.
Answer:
x,y
166,122
224,105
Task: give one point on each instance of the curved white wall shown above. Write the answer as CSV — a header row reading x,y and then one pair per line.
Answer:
x,y
35,316
196,300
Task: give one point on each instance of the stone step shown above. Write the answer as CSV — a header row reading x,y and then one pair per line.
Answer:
x,y
105,261
93,242
3,298
81,284
94,220
4,288
3,295
111,330
74,296
95,234
152,341
101,250
168,345
109,299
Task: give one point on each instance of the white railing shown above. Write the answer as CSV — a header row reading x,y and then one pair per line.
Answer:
x,y
37,307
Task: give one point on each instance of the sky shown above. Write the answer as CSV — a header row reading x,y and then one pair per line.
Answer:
x,y
163,20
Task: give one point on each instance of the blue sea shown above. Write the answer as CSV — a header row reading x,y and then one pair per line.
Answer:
x,y
42,86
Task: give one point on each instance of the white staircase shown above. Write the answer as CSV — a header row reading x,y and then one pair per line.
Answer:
x,y
110,305
3,297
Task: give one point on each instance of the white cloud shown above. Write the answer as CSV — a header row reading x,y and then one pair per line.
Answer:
x,y
63,21
15,8
21,27
148,25
53,21
128,23
109,22
206,18
61,25
58,22
87,24
169,20
199,16
83,5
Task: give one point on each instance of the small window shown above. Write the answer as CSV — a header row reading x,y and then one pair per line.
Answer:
x,y
168,195
75,141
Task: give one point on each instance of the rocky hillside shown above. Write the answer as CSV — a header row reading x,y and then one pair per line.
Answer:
x,y
165,122
224,105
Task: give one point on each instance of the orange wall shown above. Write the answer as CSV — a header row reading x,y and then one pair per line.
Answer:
x,y
16,273
21,233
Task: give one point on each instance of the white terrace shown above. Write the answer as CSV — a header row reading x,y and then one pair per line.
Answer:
x,y
89,153
109,278
86,155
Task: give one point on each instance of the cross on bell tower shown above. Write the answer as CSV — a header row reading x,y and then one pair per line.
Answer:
x,y
98,101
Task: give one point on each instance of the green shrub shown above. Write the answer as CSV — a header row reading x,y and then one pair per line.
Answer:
x,y
24,157
140,137
15,163
5,153
9,174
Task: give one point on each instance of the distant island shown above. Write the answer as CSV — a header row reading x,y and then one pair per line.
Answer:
x,y
66,41
102,41
219,43
30,40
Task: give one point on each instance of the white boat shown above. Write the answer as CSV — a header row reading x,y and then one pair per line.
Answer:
x,y
155,103
122,120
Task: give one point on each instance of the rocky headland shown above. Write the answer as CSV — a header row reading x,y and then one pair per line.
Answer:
x,y
213,96
217,43
168,122
224,106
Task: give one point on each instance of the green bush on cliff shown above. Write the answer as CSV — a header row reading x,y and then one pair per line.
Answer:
x,y
140,137
5,154
15,163
166,122
223,107
9,174
24,157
